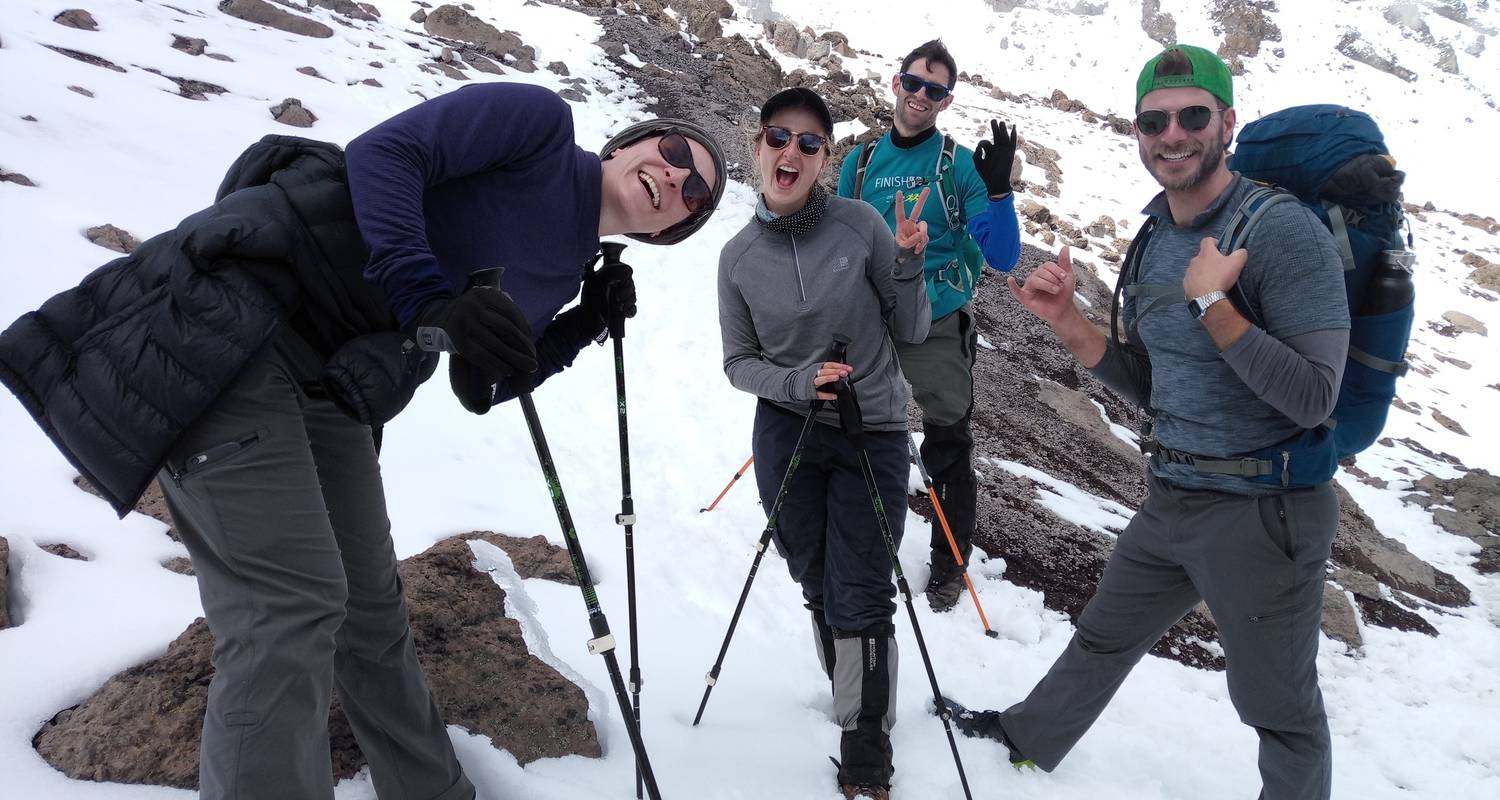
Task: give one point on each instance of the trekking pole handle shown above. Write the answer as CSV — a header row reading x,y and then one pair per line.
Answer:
x,y
611,252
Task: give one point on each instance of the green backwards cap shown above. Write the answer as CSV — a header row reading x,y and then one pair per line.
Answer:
x,y
1209,73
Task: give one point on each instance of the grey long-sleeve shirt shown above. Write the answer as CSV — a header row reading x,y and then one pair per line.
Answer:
x,y
783,297
1274,381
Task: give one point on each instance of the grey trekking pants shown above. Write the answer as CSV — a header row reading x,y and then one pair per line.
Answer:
x,y
277,496
1259,565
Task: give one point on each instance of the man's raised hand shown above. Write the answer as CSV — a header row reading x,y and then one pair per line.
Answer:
x,y
911,231
1048,291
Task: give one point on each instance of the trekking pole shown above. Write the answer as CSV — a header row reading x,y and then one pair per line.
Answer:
x,y
729,485
626,517
760,550
958,557
852,423
603,643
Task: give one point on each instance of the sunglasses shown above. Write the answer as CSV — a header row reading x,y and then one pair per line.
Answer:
x,y
1192,118
935,91
777,137
697,195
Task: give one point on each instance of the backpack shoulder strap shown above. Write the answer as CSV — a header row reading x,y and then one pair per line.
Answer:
x,y
1129,269
1237,234
952,204
863,163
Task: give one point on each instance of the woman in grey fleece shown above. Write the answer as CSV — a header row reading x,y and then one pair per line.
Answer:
x,y
808,266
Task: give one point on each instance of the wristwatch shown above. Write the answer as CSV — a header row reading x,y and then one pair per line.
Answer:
x,y
1198,306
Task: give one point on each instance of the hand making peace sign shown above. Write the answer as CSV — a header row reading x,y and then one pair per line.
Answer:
x,y
911,231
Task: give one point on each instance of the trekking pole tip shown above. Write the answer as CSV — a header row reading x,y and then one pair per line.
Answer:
x,y
992,633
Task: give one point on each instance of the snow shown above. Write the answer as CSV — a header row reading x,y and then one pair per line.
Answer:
x,y
1412,716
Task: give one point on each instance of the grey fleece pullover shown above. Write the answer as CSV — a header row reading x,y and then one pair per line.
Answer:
x,y
783,297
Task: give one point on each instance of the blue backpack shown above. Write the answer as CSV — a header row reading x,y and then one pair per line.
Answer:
x,y
1334,161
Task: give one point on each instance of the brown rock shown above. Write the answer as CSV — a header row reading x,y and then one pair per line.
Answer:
x,y
1339,620
77,18
1354,48
219,57
179,565
63,550
80,90
290,112
448,70
86,58
452,22
1465,323
111,238
144,724
479,62
364,12
1448,422
189,45
1245,27
1359,546
4,583
261,12
419,16
16,178
558,68
371,82
190,88
1161,28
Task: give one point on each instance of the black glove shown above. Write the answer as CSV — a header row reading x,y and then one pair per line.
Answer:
x,y
993,158
609,293
484,326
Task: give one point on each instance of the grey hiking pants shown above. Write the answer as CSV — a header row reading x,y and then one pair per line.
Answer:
x,y
278,497
941,372
1259,565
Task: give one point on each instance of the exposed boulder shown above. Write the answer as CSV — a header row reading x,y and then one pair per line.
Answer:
x,y
16,178
1465,323
1340,622
1359,546
261,12
144,724
1448,422
4,583
703,19
1447,59
86,58
363,12
63,550
1160,27
77,18
1356,49
477,60
189,45
290,112
112,238
1486,274
1245,27
190,88
452,22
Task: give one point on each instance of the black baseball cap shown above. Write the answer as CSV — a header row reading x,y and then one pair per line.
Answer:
x,y
798,97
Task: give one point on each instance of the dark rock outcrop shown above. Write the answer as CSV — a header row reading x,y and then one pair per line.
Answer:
x,y
1245,27
290,112
77,18
1161,28
452,22
86,58
16,178
64,550
1356,49
188,44
112,238
143,726
261,12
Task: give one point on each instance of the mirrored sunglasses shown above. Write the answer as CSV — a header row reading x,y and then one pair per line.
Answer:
x,y
777,137
1192,118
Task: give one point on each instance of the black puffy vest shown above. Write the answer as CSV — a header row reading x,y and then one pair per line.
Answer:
x,y
115,369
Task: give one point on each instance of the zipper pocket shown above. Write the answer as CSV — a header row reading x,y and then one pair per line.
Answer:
x,y
213,455
1257,619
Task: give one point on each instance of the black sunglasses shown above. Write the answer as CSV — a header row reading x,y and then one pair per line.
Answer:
x,y
778,137
1192,118
697,195
935,91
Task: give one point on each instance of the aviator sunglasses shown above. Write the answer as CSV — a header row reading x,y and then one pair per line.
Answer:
x,y
778,137
935,91
1192,118
697,195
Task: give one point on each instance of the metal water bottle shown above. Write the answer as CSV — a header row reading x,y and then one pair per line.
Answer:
x,y
1390,288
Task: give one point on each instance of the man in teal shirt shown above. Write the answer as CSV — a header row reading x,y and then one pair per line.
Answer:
x,y
976,208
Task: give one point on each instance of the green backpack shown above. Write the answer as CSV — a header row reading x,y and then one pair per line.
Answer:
x,y
965,280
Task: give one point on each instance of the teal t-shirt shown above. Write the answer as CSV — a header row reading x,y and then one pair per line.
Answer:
x,y
906,170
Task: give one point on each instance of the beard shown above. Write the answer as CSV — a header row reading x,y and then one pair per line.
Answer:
x,y
1212,155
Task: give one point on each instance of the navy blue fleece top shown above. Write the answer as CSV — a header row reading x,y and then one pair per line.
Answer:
x,y
485,176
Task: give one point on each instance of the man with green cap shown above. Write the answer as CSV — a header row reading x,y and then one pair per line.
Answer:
x,y
1221,386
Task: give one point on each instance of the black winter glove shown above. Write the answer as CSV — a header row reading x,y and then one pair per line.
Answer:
x,y
609,293
484,326
993,158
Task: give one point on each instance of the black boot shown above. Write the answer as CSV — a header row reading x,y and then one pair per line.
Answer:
x,y
864,703
985,725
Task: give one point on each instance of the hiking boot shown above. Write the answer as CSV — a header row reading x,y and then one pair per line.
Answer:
x,y
985,725
866,792
945,584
